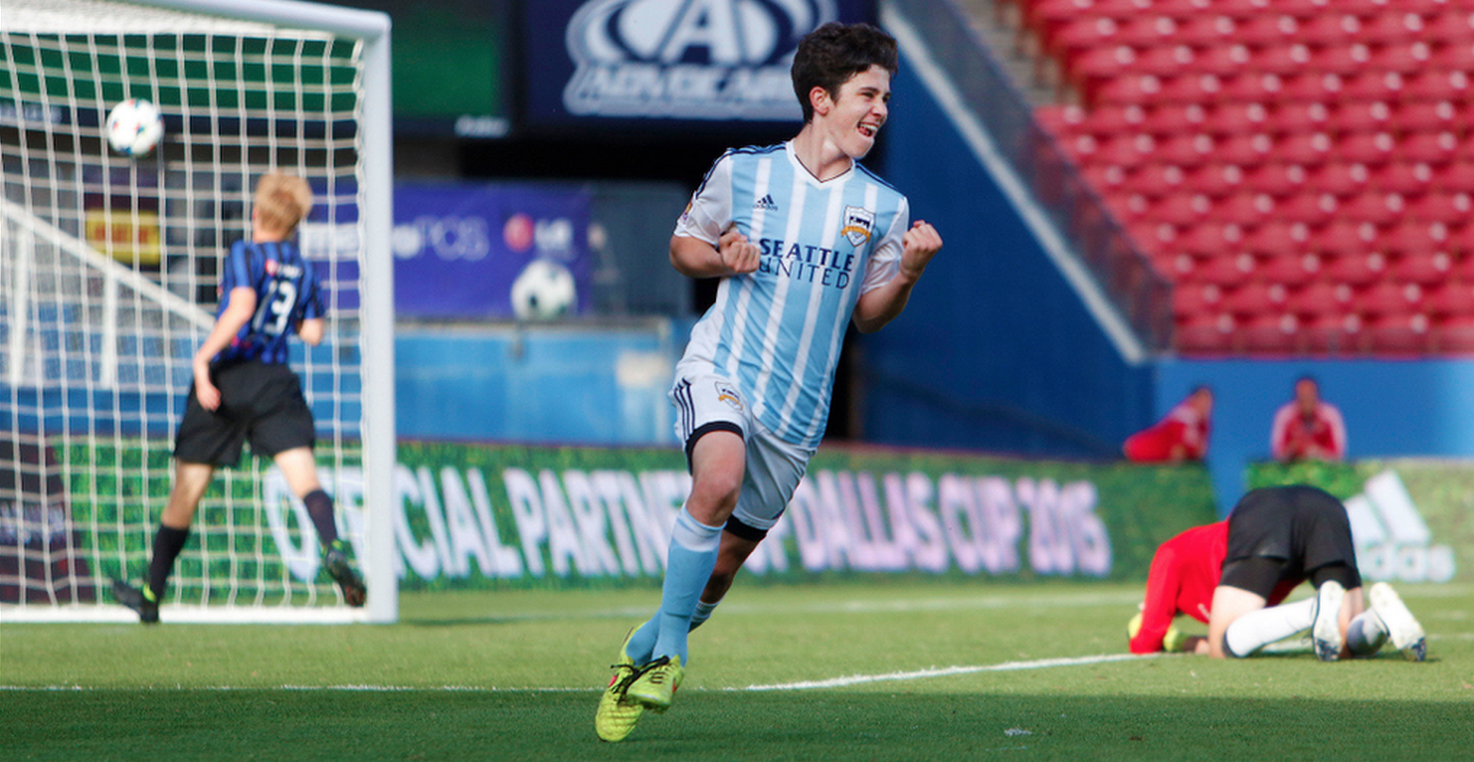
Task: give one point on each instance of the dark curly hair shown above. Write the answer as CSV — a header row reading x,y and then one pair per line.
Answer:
x,y
828,56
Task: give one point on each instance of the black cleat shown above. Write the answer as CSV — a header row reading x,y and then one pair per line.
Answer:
x,y
138,600
341,570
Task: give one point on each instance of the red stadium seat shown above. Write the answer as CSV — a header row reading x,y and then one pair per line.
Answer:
x,y
1173,118
1153,180
1297,117
1328,28
1406,178
1278,238
1331,333
1339,178
1290,270
1340,59
1452,56
1428,147
1451,208
1192,299
1269,333
1205,333
1424,268
1209,239
1254,299
1354,269
1187,149
1455,334
1309,208
1276,179
1060,121
1114,120
1215,179
1450,298
1344,237
1390,27
1320,298
1360,116
1245,209
1389,298
1366,148
1451,25
1376,208
1209,29
1436,86
1265,29
1429,116
1400,334
1304,148
1455,177
1402,57
1410,237
1227,271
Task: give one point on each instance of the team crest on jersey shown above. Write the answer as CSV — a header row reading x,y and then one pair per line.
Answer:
x,y
728,394
858,223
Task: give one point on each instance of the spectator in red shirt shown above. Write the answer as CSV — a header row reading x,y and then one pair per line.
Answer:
x,y
1181,435
1308,428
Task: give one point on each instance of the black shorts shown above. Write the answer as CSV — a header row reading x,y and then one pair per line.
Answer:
x,y
259,401
1302,529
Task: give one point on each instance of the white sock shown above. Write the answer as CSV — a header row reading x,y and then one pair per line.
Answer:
x,y
1366,634
703,613
1257,629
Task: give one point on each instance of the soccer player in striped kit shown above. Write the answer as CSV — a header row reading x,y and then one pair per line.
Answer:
x,y
804,240
243,388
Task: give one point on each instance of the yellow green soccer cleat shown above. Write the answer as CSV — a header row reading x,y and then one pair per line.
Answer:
x,y
617,715
1173,642
655,685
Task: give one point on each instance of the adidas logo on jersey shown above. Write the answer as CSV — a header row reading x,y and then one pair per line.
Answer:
x,y
765,203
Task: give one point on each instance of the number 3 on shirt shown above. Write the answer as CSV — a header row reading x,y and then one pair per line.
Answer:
x,y
279,302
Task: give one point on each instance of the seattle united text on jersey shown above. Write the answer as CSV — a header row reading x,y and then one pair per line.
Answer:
x,y
286,293
777,332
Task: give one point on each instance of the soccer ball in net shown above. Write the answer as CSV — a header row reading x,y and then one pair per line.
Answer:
x,y
544,290
134,127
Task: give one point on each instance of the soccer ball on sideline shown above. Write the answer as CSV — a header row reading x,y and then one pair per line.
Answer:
x,y
543,290
134,127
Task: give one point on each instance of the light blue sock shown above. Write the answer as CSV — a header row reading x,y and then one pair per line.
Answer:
x,y
693,554
642,643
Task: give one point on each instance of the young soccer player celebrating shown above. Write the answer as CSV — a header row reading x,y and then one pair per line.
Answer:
x,y
1234,574
804,240
243,389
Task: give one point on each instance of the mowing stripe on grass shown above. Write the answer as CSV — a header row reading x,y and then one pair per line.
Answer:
x,y
838,682
926,674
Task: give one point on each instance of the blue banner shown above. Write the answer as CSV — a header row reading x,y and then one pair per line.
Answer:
x,y
460,248
688,64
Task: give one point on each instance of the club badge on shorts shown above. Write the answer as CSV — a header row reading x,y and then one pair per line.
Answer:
x,y
858,222
728,394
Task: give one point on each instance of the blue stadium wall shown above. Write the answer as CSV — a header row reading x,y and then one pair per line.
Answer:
x,y
1393,408
995,350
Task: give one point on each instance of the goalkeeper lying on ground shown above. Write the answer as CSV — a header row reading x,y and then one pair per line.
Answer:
x,y
1235,574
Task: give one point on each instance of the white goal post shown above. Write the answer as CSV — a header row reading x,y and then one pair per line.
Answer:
x,y
108,275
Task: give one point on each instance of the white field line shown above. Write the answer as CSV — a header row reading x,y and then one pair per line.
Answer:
x,y
927,674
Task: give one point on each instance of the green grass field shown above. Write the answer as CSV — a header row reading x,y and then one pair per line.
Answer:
x,y
516,676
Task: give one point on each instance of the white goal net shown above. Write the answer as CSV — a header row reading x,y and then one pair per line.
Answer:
x,y
108,274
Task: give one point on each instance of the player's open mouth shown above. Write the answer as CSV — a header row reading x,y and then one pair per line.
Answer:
x,y
869,130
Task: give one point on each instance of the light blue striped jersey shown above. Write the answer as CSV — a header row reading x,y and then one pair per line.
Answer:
x,y
776,333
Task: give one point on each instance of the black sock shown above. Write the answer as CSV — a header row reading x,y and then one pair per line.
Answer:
x,y
167,544
320,508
